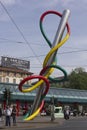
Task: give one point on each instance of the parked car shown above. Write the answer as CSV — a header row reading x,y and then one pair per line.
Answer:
x,y
43,113
71,113
58,112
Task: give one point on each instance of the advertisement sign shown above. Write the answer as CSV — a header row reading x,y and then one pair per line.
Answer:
x,y
13,62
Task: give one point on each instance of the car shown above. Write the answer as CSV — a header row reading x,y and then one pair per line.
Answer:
x,y
43,113
58,112
71,113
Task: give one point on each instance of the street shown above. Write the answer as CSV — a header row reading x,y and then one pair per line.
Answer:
x,y
44,123
77,123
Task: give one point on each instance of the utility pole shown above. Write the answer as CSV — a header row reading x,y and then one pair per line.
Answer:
x,y
52,109
7,100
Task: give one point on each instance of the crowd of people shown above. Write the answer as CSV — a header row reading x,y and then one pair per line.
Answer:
x,y
10,115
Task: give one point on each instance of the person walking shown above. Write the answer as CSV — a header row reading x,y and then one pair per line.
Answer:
x,y
8,113
0,113
66,113
14,112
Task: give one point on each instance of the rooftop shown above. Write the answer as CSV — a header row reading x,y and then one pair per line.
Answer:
x,y
14,69
61,94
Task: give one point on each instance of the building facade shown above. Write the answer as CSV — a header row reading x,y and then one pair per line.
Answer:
x,y
13,75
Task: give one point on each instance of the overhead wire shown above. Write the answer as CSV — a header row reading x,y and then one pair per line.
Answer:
x,y
33,43
21,42
21,33
59,53
9,40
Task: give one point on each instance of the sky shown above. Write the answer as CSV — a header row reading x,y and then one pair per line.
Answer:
x,y
20,35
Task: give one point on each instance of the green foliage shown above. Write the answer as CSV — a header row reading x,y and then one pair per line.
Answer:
x,y
77,79
55,84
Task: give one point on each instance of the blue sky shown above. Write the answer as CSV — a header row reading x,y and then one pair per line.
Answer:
x,y
26,14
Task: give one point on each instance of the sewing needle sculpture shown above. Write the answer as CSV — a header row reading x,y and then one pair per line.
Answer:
x,y
49,64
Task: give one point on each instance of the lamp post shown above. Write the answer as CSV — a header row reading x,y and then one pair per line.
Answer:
x,y
52,109
7,95
7,99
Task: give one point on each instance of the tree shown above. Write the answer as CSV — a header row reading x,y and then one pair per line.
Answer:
x,y
79,70
77,79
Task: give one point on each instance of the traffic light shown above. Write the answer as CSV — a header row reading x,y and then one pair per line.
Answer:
x,y
7,93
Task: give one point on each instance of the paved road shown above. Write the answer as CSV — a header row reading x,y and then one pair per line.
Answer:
x,y
78,123
75,124
44,123
38,122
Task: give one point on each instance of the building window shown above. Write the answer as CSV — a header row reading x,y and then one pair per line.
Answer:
x,y
0,73
0,79
14,81
7,80
7,73
14,74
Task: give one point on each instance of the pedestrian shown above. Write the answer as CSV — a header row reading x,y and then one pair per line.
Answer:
x,y
66,113
0,113
8,113
14,112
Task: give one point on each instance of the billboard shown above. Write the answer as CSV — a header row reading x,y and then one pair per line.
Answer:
x,y
14,62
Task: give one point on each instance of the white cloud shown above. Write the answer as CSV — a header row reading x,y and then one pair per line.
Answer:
x,y
75,42
4,17
62,3
5,3
8,2
74,4
79,42
51,3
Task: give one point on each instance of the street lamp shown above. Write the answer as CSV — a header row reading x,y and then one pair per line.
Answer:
x,y
52,109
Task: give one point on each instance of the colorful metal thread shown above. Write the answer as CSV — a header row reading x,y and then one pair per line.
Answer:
x,y
47,69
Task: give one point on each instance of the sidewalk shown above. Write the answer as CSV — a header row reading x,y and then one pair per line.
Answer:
x,y
38,122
